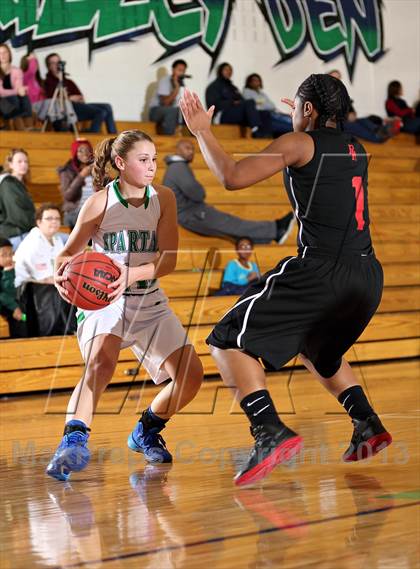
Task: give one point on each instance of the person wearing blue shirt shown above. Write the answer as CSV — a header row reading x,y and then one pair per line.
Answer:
x,y
239,272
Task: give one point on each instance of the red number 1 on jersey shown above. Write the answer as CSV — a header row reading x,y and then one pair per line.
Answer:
x,y
359,191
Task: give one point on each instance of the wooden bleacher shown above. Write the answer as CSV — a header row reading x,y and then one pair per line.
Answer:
x,y
394,181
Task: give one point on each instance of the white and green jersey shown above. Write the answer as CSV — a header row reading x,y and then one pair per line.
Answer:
x,y
127,234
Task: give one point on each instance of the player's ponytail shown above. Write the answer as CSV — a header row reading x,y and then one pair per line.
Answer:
x,y
100,170
329,96
108,149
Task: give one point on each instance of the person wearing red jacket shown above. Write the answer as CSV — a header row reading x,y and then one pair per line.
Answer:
x,y
95,112
396,107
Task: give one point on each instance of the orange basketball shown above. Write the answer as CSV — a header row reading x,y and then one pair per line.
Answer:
x,y
89,275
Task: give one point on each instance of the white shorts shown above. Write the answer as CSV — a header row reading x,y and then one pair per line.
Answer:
x,y
145,323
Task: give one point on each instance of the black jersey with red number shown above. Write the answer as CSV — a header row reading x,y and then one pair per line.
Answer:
x,y
329,194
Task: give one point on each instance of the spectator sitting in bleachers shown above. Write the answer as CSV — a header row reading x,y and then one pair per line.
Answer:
x,y
232,108
14,101
397,107
34,266
194,214
280,122
76,180
370,128
35,256
95,112
164,106
9,305
239,272
32,80
17,210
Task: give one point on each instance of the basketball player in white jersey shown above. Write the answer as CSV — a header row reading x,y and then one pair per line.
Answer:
x,y
135,225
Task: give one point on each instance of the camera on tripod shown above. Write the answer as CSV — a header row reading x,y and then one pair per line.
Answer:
x,y
61,66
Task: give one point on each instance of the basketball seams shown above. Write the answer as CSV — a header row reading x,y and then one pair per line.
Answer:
x,y
80,273
88,277
83,297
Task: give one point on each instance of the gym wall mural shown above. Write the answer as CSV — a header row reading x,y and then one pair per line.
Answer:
x,y
331,27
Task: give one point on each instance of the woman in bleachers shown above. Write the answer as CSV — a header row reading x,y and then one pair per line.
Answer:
x,y
32,80
15,102
397,107
76,180
17,211
232,108
280,122
48,314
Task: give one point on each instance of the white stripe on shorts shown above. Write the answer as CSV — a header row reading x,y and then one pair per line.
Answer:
x,y
255,297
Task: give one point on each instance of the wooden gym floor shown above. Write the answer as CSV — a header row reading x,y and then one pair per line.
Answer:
x,y
122,513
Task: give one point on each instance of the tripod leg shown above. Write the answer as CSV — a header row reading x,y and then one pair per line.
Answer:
x,y
50,108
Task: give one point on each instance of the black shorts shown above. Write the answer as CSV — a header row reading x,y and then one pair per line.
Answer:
x,y
312,304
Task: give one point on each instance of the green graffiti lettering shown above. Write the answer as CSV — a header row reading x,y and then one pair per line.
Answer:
x,y
205,23
326,37
214,18
287,23
23,12
364,25
339,27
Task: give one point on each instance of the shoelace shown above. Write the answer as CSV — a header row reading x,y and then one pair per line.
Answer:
x,y
152,438
77,437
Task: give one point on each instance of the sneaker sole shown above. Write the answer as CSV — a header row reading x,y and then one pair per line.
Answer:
x,y
370,447
287,232
69,460
283,453
134,446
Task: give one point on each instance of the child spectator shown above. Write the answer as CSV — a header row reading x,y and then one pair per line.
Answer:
x,y
280,122
16,206
76,180
232,108
16,103
9,306
397,107
239,272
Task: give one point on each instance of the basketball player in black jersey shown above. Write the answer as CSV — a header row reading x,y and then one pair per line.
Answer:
x,y
317,303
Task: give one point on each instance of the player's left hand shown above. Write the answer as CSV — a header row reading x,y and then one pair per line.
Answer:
x,y
124,281
196,118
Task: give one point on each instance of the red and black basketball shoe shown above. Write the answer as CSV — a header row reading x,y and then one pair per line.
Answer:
x,y
369,438
273,446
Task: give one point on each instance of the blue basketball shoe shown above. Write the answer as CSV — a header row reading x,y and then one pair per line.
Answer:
x,y
72,455
149,442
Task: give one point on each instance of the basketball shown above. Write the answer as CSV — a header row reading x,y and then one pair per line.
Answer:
x,y
89,275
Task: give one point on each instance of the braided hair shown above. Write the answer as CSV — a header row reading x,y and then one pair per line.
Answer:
x,y
329,97
108,149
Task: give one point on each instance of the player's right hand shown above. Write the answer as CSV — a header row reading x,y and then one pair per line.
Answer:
x,y
59,278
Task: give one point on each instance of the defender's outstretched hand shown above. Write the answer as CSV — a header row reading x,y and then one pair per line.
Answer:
x,y
194,114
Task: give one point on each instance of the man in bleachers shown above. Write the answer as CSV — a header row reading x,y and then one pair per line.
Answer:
x,y
95,112
194,214
164,106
